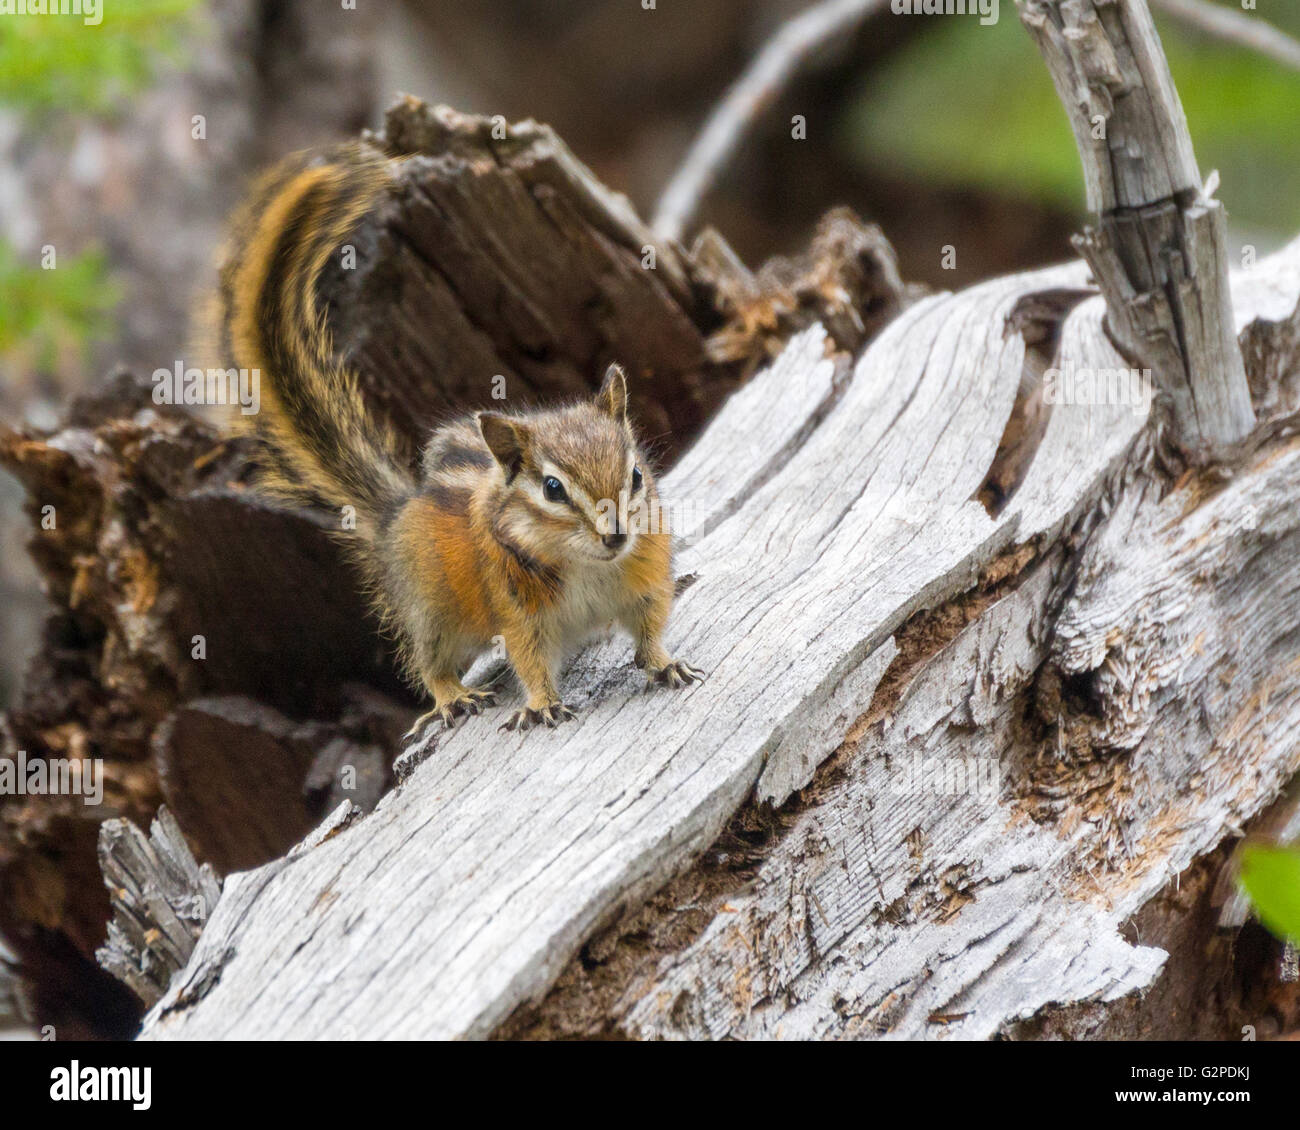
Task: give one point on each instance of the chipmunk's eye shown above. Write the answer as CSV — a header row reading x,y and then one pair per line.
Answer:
x,y
636,479
553,489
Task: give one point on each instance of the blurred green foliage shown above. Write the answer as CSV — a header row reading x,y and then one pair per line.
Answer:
x,y
62,63
1271,877
972,106
44,312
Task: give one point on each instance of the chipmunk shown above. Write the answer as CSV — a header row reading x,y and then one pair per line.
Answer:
x,y
506,530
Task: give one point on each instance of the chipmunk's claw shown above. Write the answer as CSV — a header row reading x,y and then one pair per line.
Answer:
x,y
475,701
548,716
676,673
471,702
418,726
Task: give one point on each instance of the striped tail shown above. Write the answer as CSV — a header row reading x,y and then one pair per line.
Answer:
x,y
320,443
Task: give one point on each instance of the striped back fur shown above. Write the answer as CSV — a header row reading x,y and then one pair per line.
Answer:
x,y
319,443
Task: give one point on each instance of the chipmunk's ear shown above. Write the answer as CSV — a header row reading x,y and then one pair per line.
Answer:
x,y
612,397
507,439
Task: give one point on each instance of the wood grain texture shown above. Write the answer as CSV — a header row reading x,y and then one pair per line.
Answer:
x,y
486,870
903,907
499,257
903,897
498,254
13,1012
466,892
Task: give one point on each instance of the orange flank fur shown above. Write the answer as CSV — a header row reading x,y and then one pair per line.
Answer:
x,y
447,562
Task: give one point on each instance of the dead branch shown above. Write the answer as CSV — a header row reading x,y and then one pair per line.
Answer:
x,y
1159,251
1234,26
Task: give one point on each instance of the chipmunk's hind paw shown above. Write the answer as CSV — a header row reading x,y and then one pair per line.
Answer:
x,y
463,705
676,673
548,716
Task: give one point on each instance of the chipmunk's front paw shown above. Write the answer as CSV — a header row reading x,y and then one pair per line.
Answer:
x,y
548,716
675,673
470,702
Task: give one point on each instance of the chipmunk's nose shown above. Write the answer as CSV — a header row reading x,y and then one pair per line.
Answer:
x,y
614,541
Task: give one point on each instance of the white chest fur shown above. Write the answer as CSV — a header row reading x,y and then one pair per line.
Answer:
x,y
591,602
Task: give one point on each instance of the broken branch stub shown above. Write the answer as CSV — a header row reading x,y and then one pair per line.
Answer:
x,y
161,900
1159,250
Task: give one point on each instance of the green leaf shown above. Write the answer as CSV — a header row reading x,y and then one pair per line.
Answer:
x,y
60,62
1271,877
49,316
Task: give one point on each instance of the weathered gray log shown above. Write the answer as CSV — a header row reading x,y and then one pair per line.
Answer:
x,y
161,900
172,586
824,529
883,910
910,550
1159,250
